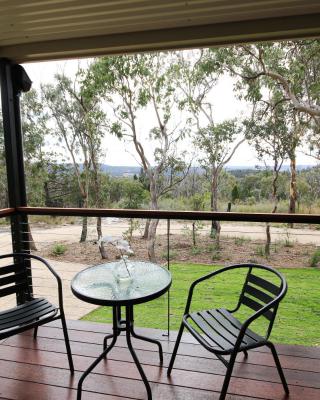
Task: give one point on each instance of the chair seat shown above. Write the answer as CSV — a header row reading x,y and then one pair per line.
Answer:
x,y
218,329
18,318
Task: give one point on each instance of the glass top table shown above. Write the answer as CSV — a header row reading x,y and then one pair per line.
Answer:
x,y
106,285
99,284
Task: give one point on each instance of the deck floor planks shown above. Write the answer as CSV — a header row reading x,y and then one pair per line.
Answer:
x,y
39,370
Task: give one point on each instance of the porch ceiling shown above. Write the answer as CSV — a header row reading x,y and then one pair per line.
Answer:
x,y
42,30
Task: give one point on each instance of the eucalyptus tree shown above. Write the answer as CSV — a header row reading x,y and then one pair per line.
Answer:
x,y
269,133
78,121
35,130
140,90
216,142
134,194
291,70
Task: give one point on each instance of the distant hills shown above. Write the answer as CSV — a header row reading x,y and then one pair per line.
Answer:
x,y
130,171
121,170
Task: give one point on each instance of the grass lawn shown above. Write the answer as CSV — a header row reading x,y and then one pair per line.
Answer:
x,y
298,320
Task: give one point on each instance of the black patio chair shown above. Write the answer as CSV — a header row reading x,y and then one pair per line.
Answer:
x,y
34,311
221,333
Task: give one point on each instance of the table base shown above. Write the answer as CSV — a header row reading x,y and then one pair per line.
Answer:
x,y
122,325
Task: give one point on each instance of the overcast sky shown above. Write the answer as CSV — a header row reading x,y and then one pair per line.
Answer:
x,y
117,153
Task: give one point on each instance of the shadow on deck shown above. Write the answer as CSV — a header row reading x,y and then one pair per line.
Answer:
x,y
38,369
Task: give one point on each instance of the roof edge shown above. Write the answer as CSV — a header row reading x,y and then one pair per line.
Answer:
x,y
281,28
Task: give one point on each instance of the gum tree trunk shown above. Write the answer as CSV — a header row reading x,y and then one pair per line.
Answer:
x,y
152,231
146,229
293,187
215,225
276,170
102,249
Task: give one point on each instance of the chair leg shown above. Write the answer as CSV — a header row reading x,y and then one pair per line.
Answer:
x,y
228,376
245,353
66,339
279,368
174,353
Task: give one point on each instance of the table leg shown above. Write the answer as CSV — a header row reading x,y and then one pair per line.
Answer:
x,y
116,313
146,339
105,340
93,365
114,336
129,330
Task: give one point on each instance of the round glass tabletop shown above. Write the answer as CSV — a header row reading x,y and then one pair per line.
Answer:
x,y
116,283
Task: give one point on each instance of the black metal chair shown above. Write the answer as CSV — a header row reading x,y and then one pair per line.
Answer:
x,y
34,311
222,334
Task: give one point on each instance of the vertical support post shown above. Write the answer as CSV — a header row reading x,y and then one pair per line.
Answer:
x,y
168,264
14,80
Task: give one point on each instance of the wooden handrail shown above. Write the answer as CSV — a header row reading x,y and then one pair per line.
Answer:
x,y
164,214
5,212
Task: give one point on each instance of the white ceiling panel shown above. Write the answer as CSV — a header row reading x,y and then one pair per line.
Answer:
x,y
52,29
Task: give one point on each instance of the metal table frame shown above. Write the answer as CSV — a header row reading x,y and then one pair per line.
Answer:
x,y
122,325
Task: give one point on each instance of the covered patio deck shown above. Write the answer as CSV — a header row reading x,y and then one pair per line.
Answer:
x,y
38,369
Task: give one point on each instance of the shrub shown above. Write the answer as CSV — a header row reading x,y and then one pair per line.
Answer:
x,y
251,200
216,256
195,251
260,251
172,255
288,243
315,259
239,241
58,249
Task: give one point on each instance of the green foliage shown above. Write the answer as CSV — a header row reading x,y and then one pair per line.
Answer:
x,y
195,251
288,243
58,249
134,194
196,202
35,129
239,241
260,251
315,259
235,194
172,255
216,256
134,224
78,119
130,84
196,227
251,200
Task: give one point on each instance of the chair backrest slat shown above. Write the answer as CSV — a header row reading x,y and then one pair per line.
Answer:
x,y
264,284
254,305
257,292
13,279
13,289
19,277
10,269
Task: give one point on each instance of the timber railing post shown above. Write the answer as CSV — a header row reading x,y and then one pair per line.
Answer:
x,y
13,81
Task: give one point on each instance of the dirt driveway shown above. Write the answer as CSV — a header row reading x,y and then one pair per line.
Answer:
x,y
116,227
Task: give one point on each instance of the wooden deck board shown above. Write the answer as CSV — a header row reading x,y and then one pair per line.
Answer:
x,y
38,369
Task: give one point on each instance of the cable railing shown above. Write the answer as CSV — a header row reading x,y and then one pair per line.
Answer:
x,y
293,250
